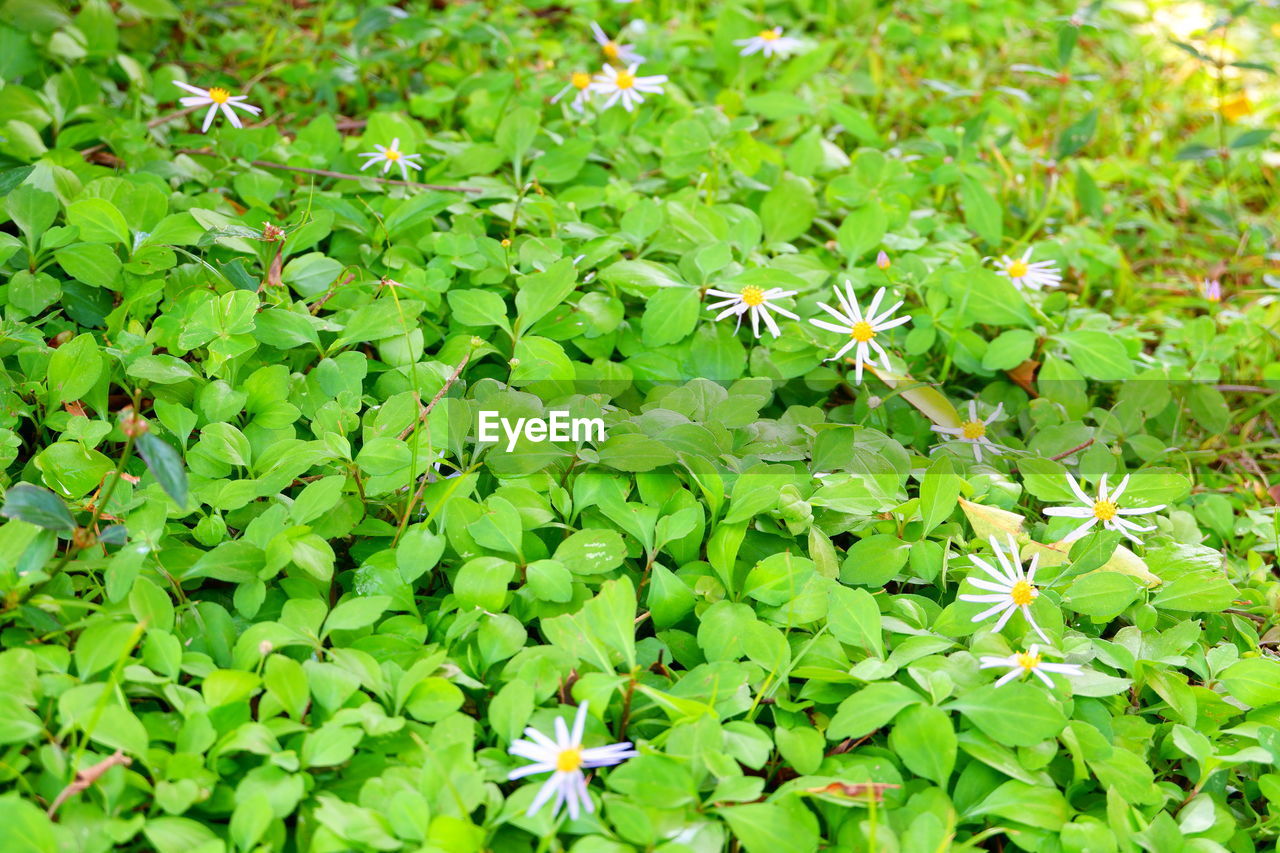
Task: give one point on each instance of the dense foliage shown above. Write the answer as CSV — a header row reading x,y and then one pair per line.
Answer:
x,y
264,589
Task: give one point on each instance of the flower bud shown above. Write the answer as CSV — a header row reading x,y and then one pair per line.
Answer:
x,y
132,425
882,260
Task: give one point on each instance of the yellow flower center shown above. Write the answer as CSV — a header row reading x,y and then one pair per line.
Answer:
x,y
752,295
392,154
1017,269
580,79
1104,510
862,332
610,49
1022,593
973,429
569,760
219,95
1027,661
625,80
770,35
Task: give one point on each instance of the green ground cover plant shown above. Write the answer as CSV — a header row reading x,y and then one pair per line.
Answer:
x,y
934,348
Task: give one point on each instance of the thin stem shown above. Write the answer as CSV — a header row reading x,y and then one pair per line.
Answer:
x,y
422,418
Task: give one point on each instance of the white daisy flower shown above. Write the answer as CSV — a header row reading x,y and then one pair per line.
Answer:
x,y
1029,661
861,329
974,431
754,301
1023,273
769,42
216,98
612,50
389,157
626,86
1105,508
564,758
1011,589
579,82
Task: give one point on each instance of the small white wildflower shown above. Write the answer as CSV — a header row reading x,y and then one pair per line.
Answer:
x,y
626,86
1011,589
1105,508
613,50
861,329
580,84
755,301
1023,273
217,99
770,42
391,156
564,758
974,431
1023,662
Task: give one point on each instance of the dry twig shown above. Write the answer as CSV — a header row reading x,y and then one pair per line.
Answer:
x,y
87,777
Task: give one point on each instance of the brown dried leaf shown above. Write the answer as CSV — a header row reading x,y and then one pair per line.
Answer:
x,y
1025,375
854,790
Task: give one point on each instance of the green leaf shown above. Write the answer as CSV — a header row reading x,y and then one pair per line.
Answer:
x,y
1253,681
788,209
591,552
1101,595
540,292
1046,480
981,296
74,369
785,826
286,682
37,506
482,582
17,722
924,739
1098,355
1035,805
1078,135
862,230
92,263
99,221
870,708
103,644
875,560
166,466
478,308
1199,592
33,210
1009,349
854,618
640,278
26,828
939,493
634,452
602,628
981,211
355,613
517,130
1015,714
670,316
